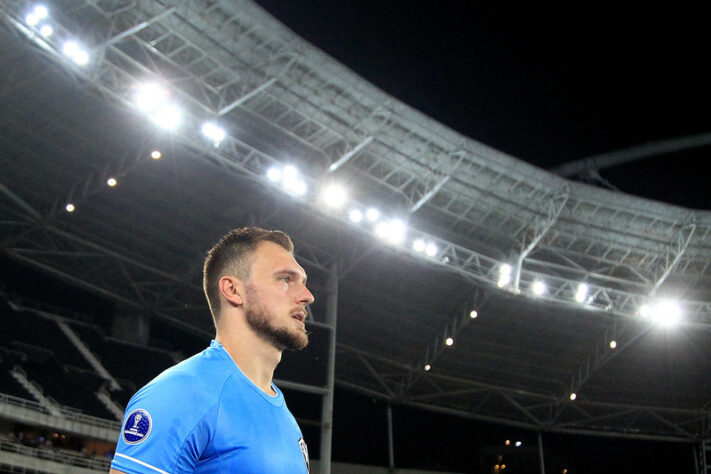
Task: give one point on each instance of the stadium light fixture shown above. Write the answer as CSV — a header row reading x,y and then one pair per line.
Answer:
x,y
70,207
538,287
663,312
355,216
156,155
392,231
449,341
31,19
573,396
418,245
518,444
372,214
473,314
274,174
111,182
504,275
581,293
334,195
431,250
428,367
75,52
46,30
613,344
213,132
289,179
38,13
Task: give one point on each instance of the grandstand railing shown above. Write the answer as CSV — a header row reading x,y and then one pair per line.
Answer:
x,y
50,454
73,414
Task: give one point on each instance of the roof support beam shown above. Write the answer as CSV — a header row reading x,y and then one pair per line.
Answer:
x,y
541,225
682,243
344,159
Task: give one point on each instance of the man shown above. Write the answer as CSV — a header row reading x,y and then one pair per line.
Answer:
x,y
219,412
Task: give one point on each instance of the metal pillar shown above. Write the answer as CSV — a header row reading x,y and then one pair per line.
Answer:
x,y
327,403
391,452
540,453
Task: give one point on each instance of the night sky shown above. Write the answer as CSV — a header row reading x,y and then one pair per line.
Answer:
x,y
547,84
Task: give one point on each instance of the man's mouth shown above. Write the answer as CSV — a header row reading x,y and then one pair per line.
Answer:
x,y
299,316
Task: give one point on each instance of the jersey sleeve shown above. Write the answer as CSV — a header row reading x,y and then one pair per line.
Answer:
x,y
164,430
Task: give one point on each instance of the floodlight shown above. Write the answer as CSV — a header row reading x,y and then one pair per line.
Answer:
x,y
292,182
507,442
573,396
274,174
70,207
334,195
392,231
666,312
40,12
645,311
155,154
150,96
538,287
168,116
418,245
427,367
112,182
431,250
31,19
518,444
449,341
582,293
73,50
214,132
372,214
473,314
613,344
46,30
504,275
355,216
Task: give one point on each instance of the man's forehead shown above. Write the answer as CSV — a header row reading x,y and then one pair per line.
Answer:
x,y
277,258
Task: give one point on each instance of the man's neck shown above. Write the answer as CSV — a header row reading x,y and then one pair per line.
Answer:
x,y
255,357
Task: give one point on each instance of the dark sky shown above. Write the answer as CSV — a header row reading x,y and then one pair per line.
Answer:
x,y
547,84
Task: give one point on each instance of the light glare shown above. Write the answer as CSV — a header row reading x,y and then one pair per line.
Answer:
x,y
573,396
355,216
274,174
473,314
112,182
392,231
518,444
40,12
582,293
372,214
538,288
31,19
70,207
168,117
73,50
431,250
150,96
156,155
613,344
427,367
418,245
334,196
214,132
449,341
504,275
46,30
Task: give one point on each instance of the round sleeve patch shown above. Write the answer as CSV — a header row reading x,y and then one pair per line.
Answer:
x,y
138,426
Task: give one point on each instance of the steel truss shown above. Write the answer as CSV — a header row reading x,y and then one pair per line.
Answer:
x,y
231,61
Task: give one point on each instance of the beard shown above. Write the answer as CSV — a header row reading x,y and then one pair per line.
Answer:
x,y
261,321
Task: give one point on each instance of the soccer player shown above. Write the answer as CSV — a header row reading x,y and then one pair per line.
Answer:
x,y
218,411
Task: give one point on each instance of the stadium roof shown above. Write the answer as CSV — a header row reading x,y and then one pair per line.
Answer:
x,y
67,127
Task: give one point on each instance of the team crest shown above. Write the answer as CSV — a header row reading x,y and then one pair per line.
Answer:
x,y
137,427
305,452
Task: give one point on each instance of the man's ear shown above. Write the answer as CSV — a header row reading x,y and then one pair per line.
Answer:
x,y
232,289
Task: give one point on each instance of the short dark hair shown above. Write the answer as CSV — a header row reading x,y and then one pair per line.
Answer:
x,y
233,255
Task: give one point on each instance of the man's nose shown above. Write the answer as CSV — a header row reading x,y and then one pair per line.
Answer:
x,y
306,297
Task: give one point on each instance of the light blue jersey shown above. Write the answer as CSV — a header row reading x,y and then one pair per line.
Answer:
x,y
205,416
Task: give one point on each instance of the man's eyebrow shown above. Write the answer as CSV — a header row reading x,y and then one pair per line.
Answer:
x,y
291,273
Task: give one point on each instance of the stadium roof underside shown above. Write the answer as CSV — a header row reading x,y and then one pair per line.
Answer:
x,y
66,128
